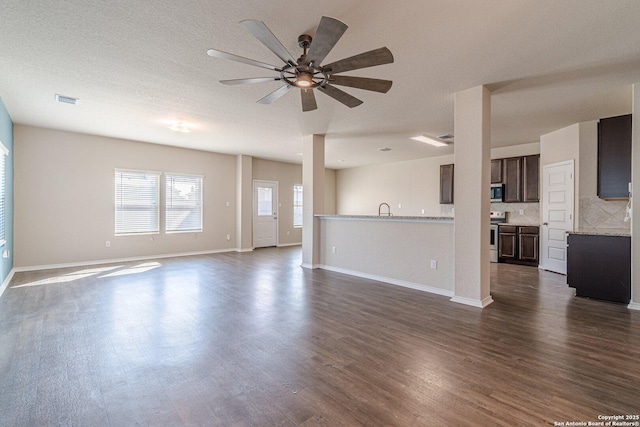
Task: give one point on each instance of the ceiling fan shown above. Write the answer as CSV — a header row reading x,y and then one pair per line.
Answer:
x,y
306,72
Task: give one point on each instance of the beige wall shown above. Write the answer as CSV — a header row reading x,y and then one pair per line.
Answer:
x,y
288,175
64,210
414,184
371,248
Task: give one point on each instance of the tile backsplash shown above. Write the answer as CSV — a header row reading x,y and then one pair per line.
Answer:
x,y
530,212
598,214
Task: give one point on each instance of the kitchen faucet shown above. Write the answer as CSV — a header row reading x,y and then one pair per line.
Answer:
x,y
388,213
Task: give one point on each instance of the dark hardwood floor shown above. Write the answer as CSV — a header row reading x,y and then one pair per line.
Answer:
x,y
252,339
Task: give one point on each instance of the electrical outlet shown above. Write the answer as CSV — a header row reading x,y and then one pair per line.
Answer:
x,y
521,211
6,253
399,205
434,264
228,237
228,204
422,211
107,244
333,250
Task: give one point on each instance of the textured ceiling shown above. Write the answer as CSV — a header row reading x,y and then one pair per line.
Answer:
x,y
139,65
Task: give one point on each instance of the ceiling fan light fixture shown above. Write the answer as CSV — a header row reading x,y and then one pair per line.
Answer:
x,y
304,80
431,141
180,127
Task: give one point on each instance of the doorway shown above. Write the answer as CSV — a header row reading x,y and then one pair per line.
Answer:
x,y
557,215
265,213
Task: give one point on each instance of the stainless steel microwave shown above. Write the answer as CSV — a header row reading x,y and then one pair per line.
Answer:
x,y
497,192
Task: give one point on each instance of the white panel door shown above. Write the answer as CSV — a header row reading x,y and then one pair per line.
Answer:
x,y
265,213
557,215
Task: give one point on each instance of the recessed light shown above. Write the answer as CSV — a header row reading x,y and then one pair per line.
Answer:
x,y
341,161
432,141
299,154
384,149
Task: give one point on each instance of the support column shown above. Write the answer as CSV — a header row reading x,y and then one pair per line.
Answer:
x,y
244,203
472,181
635,200
312,198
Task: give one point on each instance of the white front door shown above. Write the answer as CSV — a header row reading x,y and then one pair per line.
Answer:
x,y
265,213
557,215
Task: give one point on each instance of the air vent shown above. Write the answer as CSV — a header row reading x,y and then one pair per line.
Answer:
x,y
384,149
447,136
67,99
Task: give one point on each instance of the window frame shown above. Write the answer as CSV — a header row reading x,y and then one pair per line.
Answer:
x,y
4,152
167,206
157,204
300,206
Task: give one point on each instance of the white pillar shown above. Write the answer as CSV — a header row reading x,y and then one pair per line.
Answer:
x,y
635,200
312,198
244,203
472,181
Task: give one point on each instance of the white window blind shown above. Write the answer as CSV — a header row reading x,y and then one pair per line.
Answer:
x,y
137,202
184,203
3,158
297,205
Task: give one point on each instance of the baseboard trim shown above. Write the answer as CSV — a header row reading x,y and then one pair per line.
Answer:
x,y
284,245
6,281
634,306
115,260
309,266
397,282
473,302
244,250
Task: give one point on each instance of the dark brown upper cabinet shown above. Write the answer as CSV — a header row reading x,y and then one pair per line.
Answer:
x,y
512,179
521,179
614,157
446,184
530,178
496,171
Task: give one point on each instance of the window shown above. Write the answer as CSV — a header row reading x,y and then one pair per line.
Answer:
x,y
136,199
3,158
297,205
184,203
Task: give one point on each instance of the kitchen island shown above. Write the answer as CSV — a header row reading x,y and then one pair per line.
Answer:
x,y
410,251
599,264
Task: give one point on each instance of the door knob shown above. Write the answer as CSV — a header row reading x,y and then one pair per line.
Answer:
x,y
545,223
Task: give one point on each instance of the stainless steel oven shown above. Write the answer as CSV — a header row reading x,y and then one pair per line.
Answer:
x,y
494,242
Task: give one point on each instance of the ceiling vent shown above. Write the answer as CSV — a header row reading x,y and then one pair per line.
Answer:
x,y
384,149
446,137
67,99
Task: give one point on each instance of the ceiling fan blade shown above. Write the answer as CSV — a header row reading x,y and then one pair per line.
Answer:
x,y
327,35
308,100
251,80
375,85
236,58
368,59
266,37
275,95
339,95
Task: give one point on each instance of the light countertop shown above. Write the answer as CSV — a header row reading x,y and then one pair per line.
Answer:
x,y
601,232
389,218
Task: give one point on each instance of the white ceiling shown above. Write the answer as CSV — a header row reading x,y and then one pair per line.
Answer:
x,y
139,65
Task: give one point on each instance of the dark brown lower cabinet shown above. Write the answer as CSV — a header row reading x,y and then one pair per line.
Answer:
x,y
600,266
518,244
